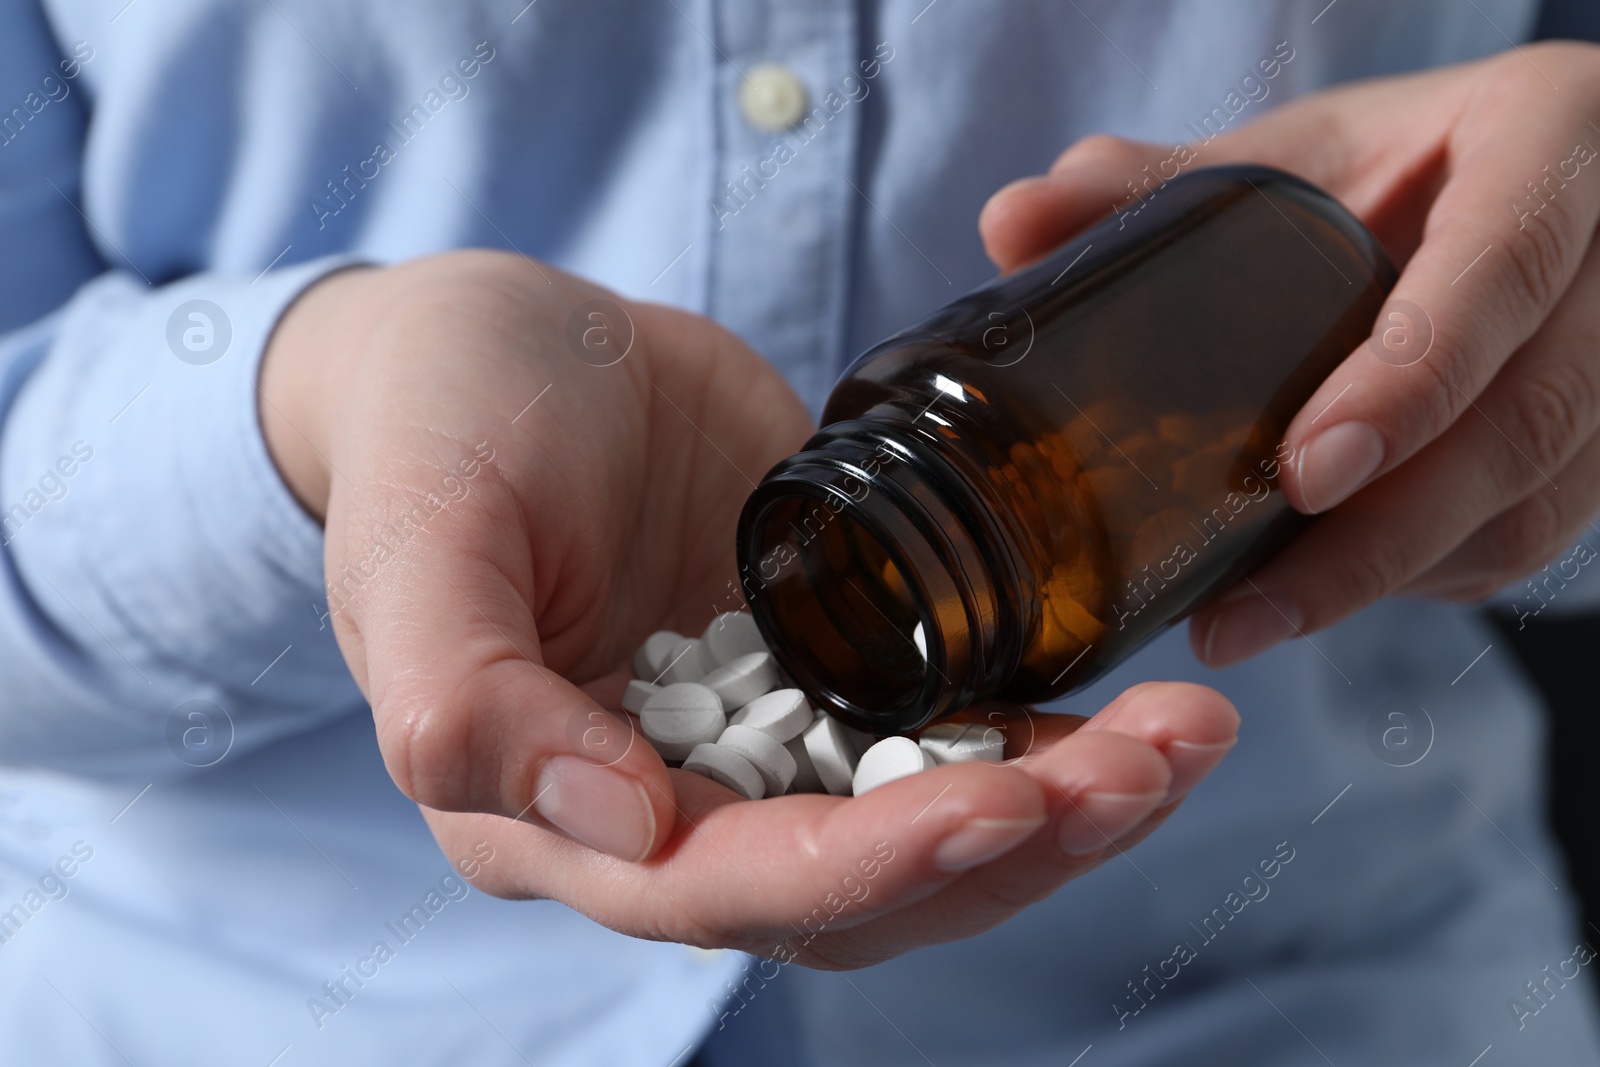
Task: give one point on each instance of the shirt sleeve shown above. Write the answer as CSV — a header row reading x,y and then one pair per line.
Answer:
x,y
161,593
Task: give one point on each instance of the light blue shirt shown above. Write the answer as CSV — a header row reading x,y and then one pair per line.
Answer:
x,y
201,857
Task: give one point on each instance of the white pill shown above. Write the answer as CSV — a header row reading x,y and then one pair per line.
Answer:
x,y
920,639
684,665
741,680
731,635
781,714
805,775
891,758
831,754
962,742
859,740
770,759
678,717
636,694
727,768
652,657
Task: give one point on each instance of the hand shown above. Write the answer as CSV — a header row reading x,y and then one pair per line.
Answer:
x,y
491,633
1437,475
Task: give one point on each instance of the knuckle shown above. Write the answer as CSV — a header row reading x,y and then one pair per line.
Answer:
x,y
842,951
1094,147
1538,254
420,738
1523,539
1548,412
1573,62
502,888
436,753
1376,569
999,900
1096,144
1448,369
685,928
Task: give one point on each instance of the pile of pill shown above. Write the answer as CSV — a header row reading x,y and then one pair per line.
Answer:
x,y
717,705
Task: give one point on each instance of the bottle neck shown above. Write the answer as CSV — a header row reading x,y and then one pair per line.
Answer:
x,y
859,547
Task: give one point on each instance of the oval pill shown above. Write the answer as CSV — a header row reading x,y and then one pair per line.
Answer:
x,y
962,742
727,768
891,758
729,636
636,694
678,717
806,779
770,759
684,665
831,754
742,679
782,714
652,657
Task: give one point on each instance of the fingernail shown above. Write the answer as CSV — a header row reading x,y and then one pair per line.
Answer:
x,y
1252,625
980,840
1336,463
1097,819
1191,762
601,808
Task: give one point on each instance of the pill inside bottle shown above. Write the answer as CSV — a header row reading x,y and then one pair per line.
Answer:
x,y
1009,498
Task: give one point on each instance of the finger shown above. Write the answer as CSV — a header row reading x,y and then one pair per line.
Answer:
x,y
1382,164
467,716
1193,730
1026,730
1524,538
1115,784
1108,791
751,874
1379,175
1480,284
1530,423
1193,726
1033,215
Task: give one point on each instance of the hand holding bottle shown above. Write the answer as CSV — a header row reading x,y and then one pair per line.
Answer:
x,y
1457,450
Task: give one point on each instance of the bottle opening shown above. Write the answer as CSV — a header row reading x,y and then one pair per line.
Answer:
x,y
838,607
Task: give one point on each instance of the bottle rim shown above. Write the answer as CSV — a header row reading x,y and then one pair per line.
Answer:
x,y
917,531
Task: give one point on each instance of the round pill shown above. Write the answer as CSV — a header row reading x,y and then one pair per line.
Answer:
x,y
770,759
781,714
652,657
636,694
684,665
962,742
859,740
805,774
679,717
727,768
831,754
741,680
731,635
891,758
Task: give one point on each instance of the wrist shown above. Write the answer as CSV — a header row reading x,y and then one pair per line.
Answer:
x,y
308,365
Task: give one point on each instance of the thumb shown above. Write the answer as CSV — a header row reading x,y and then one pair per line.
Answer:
x,y
468,717
1032,216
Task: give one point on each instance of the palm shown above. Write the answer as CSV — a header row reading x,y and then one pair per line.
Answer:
x,y
703,417
608,510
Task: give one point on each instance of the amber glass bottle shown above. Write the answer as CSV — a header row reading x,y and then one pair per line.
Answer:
x,y
1057,466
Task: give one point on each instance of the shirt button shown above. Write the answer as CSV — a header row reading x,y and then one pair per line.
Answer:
x,y
771,97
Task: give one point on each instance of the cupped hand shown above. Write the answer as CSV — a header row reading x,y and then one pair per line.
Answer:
x,y
522,476
1460,448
